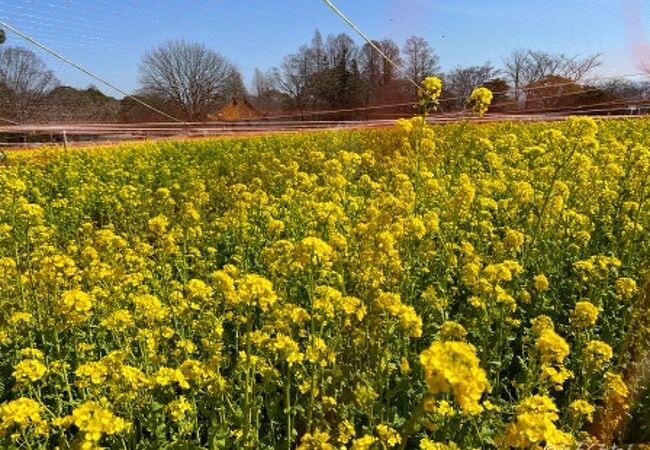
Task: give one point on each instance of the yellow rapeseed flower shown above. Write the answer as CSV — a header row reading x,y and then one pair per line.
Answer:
x,y
29,369
95,421
313,251
94,372
454,366
552,347
452,331
540,282
625,287
557,376
429,92
426,444
21,413
480,98
158,225
363,443
535,425
584,315
582,408
255,290
409,319
318,440
541,323
596,354
513,240
74,306
118,321
166,376
178,409
616,391
345,432
388,436
32,353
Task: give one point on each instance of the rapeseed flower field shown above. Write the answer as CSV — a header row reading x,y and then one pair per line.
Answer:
x,y
451,287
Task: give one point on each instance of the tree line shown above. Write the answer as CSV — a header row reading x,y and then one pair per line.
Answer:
x,y
332,75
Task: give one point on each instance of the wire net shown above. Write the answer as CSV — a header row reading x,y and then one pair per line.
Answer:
x,y
342,63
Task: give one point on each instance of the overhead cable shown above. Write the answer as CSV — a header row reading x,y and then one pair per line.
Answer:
x,y
38,44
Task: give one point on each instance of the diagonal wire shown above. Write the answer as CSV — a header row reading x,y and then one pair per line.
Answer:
x,y
8,121
86,71
370,42
583,89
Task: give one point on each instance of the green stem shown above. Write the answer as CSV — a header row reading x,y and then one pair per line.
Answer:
x,y
412,424
287,402
247,371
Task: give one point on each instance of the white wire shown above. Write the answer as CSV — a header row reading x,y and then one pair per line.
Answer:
x,y
86,71
357,30
8,121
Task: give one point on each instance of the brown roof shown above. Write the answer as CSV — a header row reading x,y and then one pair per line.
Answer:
x,y
236,109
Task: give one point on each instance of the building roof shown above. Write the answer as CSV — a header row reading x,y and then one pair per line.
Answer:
x,y
236,109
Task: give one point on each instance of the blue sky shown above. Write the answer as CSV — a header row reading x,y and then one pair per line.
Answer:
x,y
110,36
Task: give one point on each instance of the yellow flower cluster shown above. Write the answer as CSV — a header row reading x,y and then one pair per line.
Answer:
x,y
540,282
94,421
363,443
585,314
541,324
598,266
426,444
255,291
452,331
74,306
480,98
616,390
351,289
388,436
178,409
625,287
318,440
535,425
430,90
29,369
454,366
596,354
18,415
557,376
552,347
582,408
407,316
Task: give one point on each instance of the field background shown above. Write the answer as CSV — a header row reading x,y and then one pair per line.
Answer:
x,y
362,289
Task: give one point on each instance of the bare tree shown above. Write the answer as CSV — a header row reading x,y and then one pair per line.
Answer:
x,y
297,71
390,49
378,74
300,78
341,51
263,82
370,65
318,52
514,68
628,89
267,92
524,67
24,82
374,66
189,76
576,68
460,82
322,75
419,59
